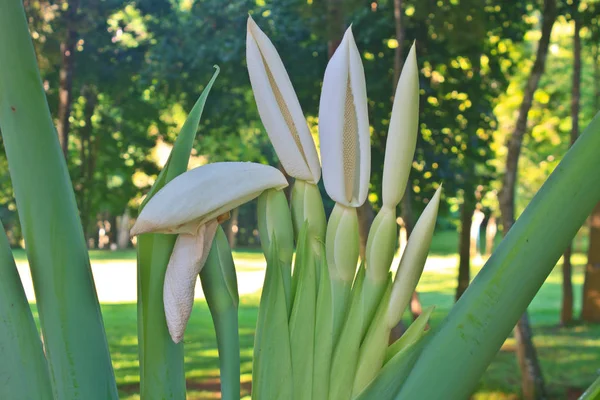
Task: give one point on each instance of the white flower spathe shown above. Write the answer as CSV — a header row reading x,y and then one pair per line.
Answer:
x,y
187,260
189,206
413,261
190,200
279,107
344,126
402,134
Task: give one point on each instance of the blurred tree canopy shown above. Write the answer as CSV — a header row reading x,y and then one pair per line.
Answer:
x,y
137,67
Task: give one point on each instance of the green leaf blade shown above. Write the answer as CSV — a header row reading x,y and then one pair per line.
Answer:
x,y
76,346
345,355
302,318
475,329
323,333
23,368
272,363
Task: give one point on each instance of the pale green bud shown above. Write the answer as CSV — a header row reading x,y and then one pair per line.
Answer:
x,y
275,221
381,244
274,218
342,242
413,261
307,205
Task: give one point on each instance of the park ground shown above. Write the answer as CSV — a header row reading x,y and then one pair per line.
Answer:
x,y
570,356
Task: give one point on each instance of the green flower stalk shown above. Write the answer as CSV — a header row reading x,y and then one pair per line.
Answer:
x,y
161,360
399,152
323,332
410,268
346,353
346,158
341,251
272,361
219,284
340,320
302,318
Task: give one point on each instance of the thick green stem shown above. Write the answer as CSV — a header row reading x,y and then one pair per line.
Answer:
x,y
76,346
481,320
161,360
228,341
162,374
220,289
340,296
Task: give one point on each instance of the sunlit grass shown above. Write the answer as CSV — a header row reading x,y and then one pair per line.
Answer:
x,y
570,356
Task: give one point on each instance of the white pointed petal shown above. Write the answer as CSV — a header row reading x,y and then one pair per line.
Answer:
x,y
203,193
344,126
331,124
359,91
413,261
402,134
187,259
279,107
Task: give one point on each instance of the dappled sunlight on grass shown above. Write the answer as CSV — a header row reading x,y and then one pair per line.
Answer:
x,y
570,356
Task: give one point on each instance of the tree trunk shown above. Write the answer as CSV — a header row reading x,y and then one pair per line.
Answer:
x,y
85,154
335,25
532,379
123,227
233,227
506,196
65,85
464,246
490,235
476,221
398,51
566,312
365,219
590,311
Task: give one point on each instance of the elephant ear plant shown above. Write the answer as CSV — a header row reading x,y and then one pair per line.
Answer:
x,y
324,317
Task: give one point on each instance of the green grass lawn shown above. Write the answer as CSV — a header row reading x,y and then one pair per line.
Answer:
x,y
570,356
